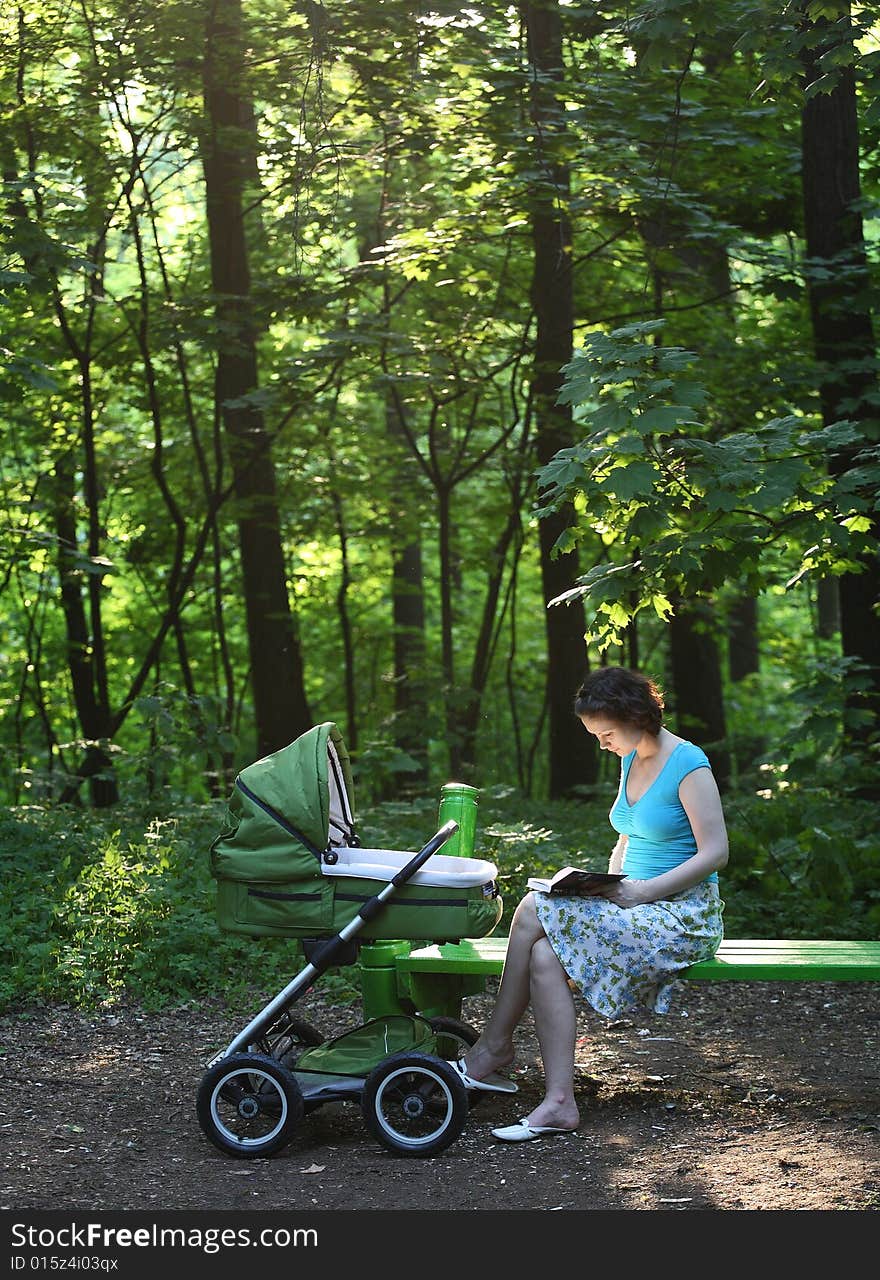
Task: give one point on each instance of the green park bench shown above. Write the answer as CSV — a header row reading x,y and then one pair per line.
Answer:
x,y
436,977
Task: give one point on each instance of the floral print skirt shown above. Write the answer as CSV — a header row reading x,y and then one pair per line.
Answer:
x,y
626,958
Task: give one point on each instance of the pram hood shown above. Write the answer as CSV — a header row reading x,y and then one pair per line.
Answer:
x,y
288,862
305,790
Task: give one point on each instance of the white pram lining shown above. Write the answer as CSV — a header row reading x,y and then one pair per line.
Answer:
x,y
384,864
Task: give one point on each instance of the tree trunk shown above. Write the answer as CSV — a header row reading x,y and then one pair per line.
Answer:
x,y
827,608
410,692
489,622
744,659
280,708
87,649
87,681
447,633
345,627
407,603
697,686
409,648
573,760
743,653
838,285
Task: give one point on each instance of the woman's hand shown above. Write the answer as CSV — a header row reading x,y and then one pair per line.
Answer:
x,y
629,893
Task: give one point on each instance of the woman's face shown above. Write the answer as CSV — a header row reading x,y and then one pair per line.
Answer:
x,y
612,735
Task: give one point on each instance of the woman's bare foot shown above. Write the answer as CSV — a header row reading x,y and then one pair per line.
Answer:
x,y
482,1059
561,1115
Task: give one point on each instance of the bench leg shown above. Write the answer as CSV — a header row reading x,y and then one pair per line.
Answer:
x,y
438,995
378,979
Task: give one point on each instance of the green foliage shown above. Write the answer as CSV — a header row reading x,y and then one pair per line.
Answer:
x,y
696,512
391,259
381,768
802,864
183,731
98,908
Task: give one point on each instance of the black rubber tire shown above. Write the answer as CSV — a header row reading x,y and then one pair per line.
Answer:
x,y
249,1105
454,1037
287,1039
415,1104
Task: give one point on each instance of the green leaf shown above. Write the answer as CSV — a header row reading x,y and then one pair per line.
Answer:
x,y
666,417
662,606
618,615
630,480
565,542
611,417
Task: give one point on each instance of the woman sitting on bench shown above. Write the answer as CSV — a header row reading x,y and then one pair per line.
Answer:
x,y
619,945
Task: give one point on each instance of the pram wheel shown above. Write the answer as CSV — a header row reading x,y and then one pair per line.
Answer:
x,y
287,1039
249,1105
414,1104
454,1037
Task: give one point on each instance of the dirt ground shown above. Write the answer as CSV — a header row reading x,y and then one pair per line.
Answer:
x,y
746,1096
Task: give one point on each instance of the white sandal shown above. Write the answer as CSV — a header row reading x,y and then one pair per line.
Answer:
x,y
523,1131
492,1084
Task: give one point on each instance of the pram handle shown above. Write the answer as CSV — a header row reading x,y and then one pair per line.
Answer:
x,y
448,829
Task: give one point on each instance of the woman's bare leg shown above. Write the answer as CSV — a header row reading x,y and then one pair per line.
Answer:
x,y
556,1023
494,1048
532,973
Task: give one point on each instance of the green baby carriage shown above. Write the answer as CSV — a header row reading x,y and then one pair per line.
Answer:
x,y
289,864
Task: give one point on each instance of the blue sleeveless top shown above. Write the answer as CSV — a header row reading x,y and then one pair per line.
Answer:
x,y
659,833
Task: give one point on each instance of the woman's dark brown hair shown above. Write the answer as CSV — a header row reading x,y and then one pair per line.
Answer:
x,y
621,695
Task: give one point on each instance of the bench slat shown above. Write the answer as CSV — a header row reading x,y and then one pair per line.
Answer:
x,y
737,959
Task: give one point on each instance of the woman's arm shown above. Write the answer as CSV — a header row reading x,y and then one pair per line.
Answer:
x,y
702,804
615,862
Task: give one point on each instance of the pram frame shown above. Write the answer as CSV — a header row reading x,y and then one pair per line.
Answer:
x,y
255,1086
396,1063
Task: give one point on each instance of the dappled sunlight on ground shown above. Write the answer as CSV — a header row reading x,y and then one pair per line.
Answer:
x,y
761,1097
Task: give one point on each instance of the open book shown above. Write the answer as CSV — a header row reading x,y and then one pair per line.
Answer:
x,y
573,880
